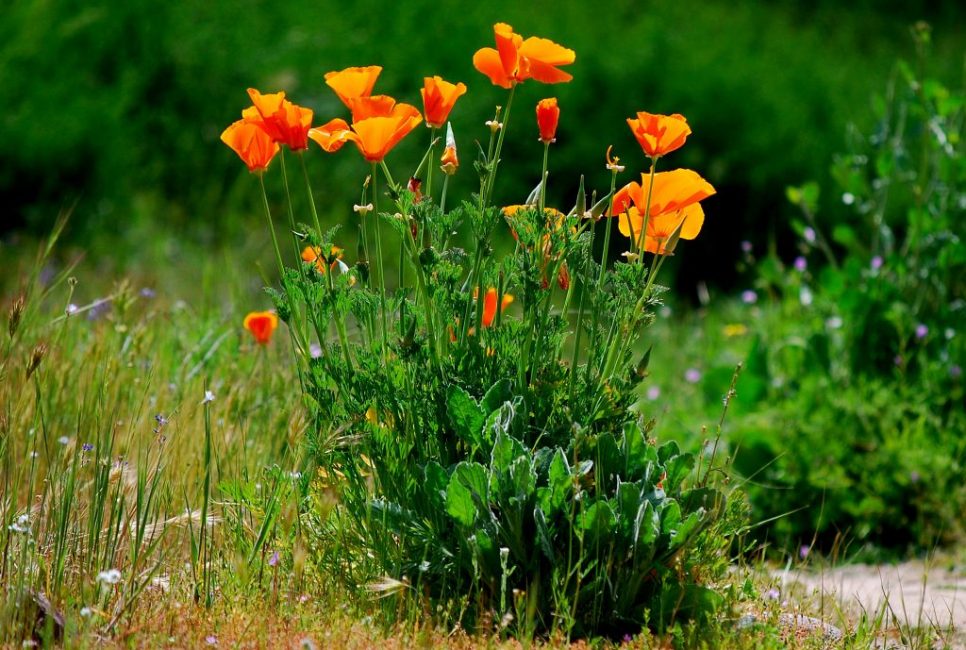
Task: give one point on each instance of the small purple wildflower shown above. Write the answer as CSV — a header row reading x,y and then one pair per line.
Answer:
x,y
801,264
749,297
315,350
876,263
809,234
692,375
772,594
211,639
627,638
746,247
653,392
921,331
71,309
804,551
273,559
87,447
897,359
148,292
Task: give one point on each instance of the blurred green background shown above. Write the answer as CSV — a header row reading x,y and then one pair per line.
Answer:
x,y
115,108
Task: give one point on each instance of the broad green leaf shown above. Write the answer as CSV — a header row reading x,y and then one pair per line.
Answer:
x,y
466,416
543,533
498,393
506,449
436,481
560,481
598,520
466,494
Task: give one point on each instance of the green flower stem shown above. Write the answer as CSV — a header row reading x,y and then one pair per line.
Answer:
x,y
278,257
303,315
647,212
495,160
543,177
442,198
603,270
308,188
382,273
432,155
339,319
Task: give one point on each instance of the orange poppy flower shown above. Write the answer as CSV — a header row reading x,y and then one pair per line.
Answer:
x,y
659,134
515,59
378,124
674,201
439,96
489,305
548,114
262,325
331,135
252,144
285,122
351,83
374,106
314,254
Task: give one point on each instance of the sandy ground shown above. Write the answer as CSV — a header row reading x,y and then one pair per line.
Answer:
x,y
914,593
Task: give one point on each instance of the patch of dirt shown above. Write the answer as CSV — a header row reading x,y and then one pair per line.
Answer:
x,y
913,593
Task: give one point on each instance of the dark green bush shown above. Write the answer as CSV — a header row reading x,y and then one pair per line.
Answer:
x,y
858,364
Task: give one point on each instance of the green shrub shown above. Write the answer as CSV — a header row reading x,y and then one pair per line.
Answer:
x,y
860,360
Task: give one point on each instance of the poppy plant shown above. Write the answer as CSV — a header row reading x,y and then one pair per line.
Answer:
x,y
674,203
515,59
352,83
439,96
253,145
262,325
659,134
548,114
285,122
490,307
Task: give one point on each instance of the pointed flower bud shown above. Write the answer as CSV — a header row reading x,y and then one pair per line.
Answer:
x,y
449,162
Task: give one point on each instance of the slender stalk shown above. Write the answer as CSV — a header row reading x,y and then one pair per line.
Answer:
x,y
543,178
499,147
308,187
603,270
382,273
432,152
647,213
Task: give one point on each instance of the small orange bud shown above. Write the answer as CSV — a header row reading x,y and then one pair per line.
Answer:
x,y
548,114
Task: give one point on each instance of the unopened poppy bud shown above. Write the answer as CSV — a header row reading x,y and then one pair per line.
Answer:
x,y
449,162
548,114
363,210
